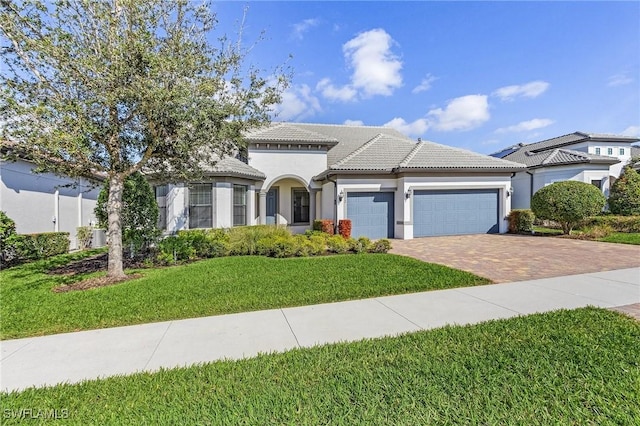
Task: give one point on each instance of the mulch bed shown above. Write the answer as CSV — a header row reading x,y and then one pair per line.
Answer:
x,y
92,264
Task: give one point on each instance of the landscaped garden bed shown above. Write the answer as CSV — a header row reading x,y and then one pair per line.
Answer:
x,y
565,367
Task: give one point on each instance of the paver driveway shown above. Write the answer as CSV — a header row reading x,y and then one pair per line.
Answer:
x,y
505,258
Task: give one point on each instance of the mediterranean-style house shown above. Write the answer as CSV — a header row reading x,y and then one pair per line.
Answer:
x,y
586,157
388,185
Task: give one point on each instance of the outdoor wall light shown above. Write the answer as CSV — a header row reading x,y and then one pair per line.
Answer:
x,y
509,192
341,196
408,194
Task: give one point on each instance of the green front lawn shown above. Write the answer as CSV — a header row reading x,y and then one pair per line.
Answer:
x,y
209,287
565,367
623,238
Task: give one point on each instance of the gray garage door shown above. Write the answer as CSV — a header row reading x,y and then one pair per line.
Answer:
x,y
371,214
455,212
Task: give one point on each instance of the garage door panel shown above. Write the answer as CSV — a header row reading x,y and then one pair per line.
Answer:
x,y
455,212
371,214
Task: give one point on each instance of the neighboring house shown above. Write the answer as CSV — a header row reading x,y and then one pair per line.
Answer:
x,y
586,157
45,202
388,185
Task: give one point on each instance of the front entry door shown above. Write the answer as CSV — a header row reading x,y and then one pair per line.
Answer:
x,y
272,206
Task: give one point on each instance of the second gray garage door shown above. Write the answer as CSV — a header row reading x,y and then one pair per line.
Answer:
x,y
371,214
455,212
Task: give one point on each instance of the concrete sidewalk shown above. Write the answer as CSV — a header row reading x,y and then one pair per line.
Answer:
x,y
73,357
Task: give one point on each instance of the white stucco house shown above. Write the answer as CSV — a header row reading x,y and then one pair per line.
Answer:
x,y
45,202
388,185
586,157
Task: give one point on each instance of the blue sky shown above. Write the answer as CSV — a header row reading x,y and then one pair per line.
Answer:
x,y
477,75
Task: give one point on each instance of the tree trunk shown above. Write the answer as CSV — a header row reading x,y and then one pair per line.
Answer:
x,y
114,232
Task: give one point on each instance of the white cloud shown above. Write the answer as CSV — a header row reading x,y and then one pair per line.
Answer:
x,y
619,80
376,67
525,126
425,84
632,131
300,28
353,123
415,128
529,90
333,93
463,113
297,103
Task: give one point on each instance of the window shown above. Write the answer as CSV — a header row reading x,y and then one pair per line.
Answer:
x,y
597,151
609,151
621,151
200,206
239,205
597,183
300,199
161,193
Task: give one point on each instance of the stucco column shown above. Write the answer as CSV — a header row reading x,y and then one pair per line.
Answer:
x,y
262,220
312,205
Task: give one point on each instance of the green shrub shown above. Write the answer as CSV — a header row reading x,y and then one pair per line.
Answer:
x,y
317,244
618,223
624,196
84,235
521,221
40,246
243,241
380,246
598,231
568,202
279,246
175,249
337,244
7,239
360,245
207,243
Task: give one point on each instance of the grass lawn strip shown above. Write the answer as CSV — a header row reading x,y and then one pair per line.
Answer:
x,y
564,367
622,238
210,287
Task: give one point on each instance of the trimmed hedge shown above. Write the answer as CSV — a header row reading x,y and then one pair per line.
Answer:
x,y
324,225
40,246
618,223
344,228
521,221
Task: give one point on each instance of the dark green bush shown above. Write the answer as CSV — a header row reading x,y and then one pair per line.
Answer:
x,y
618,223
624,197
206,243
568,202
7,239
521,221
174,249
380,246
40,246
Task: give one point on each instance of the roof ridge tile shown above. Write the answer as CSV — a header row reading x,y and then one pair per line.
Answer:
x,y
361,148
405,162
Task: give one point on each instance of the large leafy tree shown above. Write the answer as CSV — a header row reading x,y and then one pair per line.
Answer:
x,y
91,86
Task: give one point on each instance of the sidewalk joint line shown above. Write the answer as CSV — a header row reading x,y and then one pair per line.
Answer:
x,y
615,281
399,314
15,352
157,345
290,328
460,290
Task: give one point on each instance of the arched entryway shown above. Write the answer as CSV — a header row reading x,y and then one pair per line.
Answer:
x,y
287,200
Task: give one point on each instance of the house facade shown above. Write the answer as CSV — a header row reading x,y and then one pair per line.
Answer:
x,y
592,158
45,202
389,186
